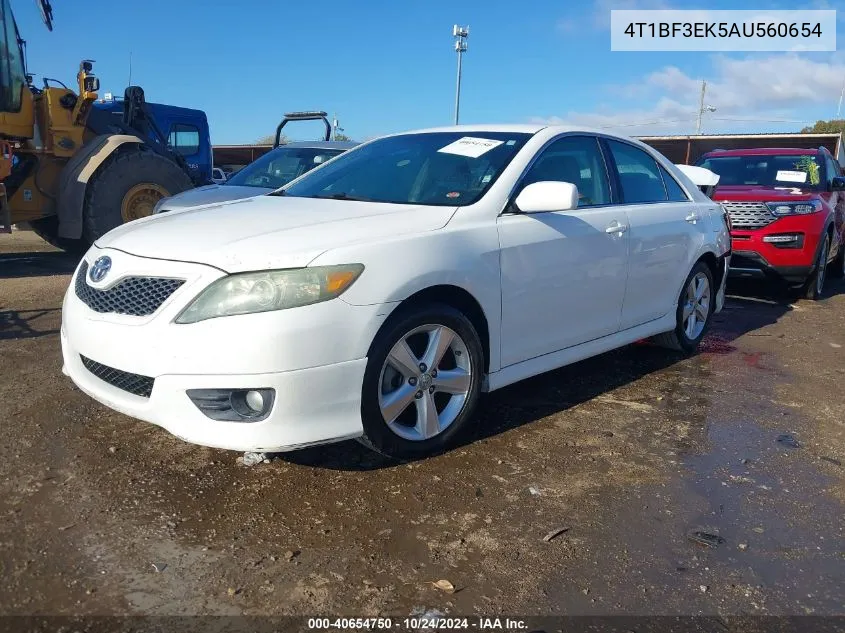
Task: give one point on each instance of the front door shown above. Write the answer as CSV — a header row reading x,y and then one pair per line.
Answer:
x,y
563,273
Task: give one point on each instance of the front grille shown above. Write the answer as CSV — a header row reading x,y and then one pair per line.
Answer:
x,y
749,215
136,296
133,383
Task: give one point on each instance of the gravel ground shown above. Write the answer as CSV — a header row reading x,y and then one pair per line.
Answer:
x,y
627,455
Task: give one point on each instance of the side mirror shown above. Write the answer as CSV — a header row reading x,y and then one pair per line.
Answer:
x,y
547,195
837,184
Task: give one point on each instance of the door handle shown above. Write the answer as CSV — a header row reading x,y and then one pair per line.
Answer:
x,y
692,218
615,227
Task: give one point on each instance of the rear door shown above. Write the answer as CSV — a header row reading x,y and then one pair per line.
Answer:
x,y
666,231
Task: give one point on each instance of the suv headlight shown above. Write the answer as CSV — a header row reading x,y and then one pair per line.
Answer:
x,y
794,208
248,293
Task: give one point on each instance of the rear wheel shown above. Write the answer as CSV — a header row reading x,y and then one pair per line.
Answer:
x,y
422,382
814,286
127,188
695,308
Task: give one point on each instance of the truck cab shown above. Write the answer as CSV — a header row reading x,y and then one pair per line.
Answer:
x,y
185,129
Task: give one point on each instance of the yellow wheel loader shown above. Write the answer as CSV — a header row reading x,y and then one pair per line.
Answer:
x,y
73,171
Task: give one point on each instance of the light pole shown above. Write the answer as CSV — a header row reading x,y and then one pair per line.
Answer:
x,y
460,34
702,108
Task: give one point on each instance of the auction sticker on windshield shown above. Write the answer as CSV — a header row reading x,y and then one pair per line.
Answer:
x,y
785,175
470,146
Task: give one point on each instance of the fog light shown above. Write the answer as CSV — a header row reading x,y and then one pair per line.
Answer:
x,y
233,405
255,401
780,239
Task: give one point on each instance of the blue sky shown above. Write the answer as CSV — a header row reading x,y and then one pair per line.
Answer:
x,y
389,66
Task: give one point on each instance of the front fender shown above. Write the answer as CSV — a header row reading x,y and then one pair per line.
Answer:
x,y
75,177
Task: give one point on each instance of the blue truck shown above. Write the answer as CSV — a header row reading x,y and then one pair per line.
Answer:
x,y
185,129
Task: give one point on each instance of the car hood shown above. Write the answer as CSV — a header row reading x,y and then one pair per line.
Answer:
x,y
269,231
210,194
764,194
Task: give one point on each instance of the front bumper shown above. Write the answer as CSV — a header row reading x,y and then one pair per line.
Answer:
x,y
313,357
312,406
756,258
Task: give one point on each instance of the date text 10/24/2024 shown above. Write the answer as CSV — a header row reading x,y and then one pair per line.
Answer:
x,y
416,623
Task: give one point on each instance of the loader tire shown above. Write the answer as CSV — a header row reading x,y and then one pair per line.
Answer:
x,y
48,230
127,187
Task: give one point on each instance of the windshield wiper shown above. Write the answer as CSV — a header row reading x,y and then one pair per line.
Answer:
x,y
342,195
279,192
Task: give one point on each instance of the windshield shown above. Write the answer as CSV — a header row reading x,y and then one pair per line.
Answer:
x,y
281,165
11,62
802,171
436,168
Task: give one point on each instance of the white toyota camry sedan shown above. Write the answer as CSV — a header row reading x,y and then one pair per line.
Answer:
x,y
379,295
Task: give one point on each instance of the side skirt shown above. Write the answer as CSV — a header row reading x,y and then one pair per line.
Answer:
x,y
554,360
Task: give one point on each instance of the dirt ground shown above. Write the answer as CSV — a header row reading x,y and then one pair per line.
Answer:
x,y
629,453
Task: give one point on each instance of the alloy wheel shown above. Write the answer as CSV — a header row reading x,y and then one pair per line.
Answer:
x,y
424,382
696,306
822,267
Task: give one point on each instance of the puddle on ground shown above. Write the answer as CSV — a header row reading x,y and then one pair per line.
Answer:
x,y
768,537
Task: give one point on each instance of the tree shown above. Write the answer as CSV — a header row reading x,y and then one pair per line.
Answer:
x,y
271,138
340,136
834,126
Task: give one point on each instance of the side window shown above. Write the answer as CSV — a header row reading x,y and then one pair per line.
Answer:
x,y
575,159
184,138
11,62
639,174
833,169
676,194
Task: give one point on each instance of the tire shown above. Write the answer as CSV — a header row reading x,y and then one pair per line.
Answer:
x,y
679,339
813,288
836,269
405,436
125,171
48,230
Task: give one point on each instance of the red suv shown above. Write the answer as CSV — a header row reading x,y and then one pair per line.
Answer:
x,y
787,212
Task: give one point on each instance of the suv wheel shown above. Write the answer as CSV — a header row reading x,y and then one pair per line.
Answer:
x,y
837,266
814,286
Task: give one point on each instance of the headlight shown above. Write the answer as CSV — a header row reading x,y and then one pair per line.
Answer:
x,y
157,208
794,208
247,293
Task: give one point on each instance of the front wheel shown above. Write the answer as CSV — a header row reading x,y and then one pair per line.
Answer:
x,y
127,187
814,286
422,382
695,309
836,269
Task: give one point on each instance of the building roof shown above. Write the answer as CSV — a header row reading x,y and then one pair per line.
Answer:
x,y
689,148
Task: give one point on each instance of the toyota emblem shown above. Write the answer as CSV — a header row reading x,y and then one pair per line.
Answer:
x,y
100,268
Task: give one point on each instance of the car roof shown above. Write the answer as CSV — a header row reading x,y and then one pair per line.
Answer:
x,y
322,144
764,151
520,128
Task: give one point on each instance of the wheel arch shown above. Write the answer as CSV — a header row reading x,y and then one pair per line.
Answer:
x,y
453,296
78,174
716,266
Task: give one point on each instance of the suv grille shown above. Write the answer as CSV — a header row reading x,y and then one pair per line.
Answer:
x,y
133,383
749,215
136,296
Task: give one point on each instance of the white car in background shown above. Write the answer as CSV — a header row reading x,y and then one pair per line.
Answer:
x,y
379,295
271,171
